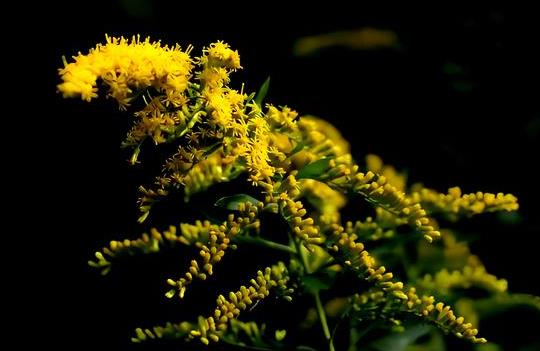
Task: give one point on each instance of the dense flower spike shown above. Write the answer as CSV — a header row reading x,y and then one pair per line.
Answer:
x,y
298,169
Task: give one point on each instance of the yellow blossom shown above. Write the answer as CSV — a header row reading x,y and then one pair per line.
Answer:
x,y
124,65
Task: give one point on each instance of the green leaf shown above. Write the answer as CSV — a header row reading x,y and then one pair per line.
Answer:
x,y
314,169
233,202
400,341
263,90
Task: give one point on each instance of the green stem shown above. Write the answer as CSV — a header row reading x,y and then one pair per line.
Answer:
x,y
265,243
324,323
302,255
318,303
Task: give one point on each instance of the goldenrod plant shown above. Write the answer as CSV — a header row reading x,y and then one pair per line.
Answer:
x,y
409,274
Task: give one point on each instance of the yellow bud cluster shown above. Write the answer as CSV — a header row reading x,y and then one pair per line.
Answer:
x,y
457,204
370,304
169,330
377,190
283,195
296,215
354,255
219,240
143,245
443,316
229,307
368,230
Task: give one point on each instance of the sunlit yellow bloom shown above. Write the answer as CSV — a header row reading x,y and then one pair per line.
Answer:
x,y
219,54
124,66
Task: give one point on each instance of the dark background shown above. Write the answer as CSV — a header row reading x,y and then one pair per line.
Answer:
x,y
477,128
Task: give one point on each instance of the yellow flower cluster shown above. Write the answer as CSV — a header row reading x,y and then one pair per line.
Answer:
x,y
156,122
282,195
211,252
229,308
208,172
217,62
369,230
377,189
375,304
237,331
456,204
354,255
442,315
124,65
212,241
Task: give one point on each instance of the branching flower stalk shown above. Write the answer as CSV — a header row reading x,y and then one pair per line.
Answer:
x,y
302,171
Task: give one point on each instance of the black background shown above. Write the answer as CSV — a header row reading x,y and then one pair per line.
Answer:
x,y
398,103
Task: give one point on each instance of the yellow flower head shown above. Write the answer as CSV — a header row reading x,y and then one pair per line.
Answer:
x,y
124,65
219,54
